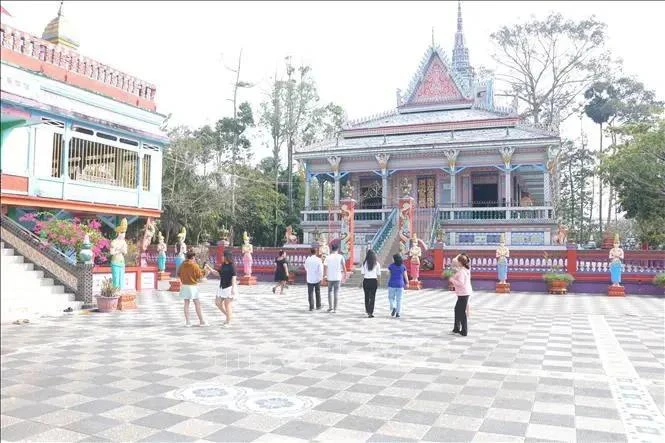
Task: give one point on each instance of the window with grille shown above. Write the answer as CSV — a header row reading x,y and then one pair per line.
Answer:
x,y
146,172
101,163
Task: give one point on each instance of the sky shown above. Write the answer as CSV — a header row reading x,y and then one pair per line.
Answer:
x,y
359,52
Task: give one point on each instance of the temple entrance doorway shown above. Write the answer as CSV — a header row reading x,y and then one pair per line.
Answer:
x,y
485,195
426,192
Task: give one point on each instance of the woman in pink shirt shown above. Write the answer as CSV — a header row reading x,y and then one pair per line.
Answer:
x,y
462,282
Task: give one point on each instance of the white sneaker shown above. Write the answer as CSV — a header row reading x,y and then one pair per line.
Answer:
x,y
187,325
203,325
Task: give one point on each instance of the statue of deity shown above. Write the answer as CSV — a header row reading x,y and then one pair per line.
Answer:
x,y
180,249
161,252
148,235
616,262
324,249
247,250
289,236
414,254
502,254
118,251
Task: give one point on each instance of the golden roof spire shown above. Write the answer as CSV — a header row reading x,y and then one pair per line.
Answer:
x,y
60,31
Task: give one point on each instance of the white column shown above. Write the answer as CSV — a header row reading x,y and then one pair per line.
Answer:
x,y
508,191
336,188
308,185
139,178
384,189
547,190
453,188
322,184
64,166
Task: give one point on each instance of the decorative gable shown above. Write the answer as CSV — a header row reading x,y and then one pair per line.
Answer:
x,y
435,85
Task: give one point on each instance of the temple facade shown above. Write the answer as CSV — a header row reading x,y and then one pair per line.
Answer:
x,y
79,138
475,170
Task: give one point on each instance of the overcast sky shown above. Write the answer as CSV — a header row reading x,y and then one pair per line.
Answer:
x,y
360,52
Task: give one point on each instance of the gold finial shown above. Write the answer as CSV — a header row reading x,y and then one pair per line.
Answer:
x,y
502,238
122,228
616,238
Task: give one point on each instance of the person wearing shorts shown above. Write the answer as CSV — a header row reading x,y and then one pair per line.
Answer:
x,y
227,288
190,273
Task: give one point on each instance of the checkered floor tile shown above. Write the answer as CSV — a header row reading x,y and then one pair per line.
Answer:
x,y
534,367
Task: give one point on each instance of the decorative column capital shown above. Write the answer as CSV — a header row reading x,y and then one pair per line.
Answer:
x,y
382,159
334,161
553,153
451,155
506,155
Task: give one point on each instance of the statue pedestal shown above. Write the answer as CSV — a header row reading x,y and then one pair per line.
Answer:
x,y
174,285
502,288
247,280
415,285
127,301
161,276
616,291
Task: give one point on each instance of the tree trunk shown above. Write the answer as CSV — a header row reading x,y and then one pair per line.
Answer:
x,y
600,187
290,174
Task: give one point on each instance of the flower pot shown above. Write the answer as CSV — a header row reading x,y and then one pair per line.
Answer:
x,y
107,304
558,286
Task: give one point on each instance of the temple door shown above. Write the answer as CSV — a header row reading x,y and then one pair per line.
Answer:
x,y
426,192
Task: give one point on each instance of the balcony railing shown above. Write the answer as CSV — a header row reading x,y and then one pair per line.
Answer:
x,y
443,214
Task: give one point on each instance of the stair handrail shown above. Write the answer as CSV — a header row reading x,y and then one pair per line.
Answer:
x,y
37,242
54,263
435,222
379,239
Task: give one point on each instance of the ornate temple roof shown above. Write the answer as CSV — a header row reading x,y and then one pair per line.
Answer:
x,y
430,141
442,107
60,31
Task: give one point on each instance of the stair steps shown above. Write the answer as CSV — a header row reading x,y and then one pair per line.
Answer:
x,y
25,293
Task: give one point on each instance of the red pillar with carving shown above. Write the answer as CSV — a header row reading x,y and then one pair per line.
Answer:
x,y
347,230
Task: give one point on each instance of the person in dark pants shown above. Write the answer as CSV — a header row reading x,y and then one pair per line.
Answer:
x,y
281,272
314,271
462,282
371,271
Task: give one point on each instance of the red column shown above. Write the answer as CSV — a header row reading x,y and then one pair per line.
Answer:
x,y
438,260
219,254
347,230
571,259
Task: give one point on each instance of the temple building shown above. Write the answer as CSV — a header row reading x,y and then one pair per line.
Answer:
x,y
474,169
79,138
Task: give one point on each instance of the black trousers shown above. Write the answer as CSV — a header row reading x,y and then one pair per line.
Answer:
x,y
460,314
311,289
369,287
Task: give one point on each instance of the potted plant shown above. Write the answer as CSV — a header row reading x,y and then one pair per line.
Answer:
x,y
557,280
446,274
659,280
107,300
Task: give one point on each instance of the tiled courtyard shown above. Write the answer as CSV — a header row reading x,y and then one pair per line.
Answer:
x,y
534,367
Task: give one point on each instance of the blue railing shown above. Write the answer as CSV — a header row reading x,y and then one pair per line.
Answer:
x,y
380,238
435,223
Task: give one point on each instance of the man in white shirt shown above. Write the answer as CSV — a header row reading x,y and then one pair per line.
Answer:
x,y
334,268
314,271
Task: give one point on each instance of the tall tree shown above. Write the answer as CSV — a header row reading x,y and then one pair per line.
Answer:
x,y
636,170
548,63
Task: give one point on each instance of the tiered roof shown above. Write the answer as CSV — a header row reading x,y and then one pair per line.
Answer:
x,y
441,108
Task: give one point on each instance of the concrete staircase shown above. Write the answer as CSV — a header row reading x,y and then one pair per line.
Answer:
x,y
26,293
385,257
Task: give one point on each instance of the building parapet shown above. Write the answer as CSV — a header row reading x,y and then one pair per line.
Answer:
x,y
66,65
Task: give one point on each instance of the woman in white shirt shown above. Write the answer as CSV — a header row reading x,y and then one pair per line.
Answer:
x,y
371,271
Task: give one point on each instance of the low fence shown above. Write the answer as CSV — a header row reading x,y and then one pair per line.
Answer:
x,y
525,267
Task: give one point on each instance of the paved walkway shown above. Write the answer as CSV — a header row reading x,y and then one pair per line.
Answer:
x,y
534,367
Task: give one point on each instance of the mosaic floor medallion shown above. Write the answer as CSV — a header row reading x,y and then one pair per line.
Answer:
x,y
275,404
244,400
210,395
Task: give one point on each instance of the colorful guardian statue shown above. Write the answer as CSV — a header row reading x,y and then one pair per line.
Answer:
x,y
180,249
616,262
148,235
161,252
247,251
415,253
118,251
502,255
